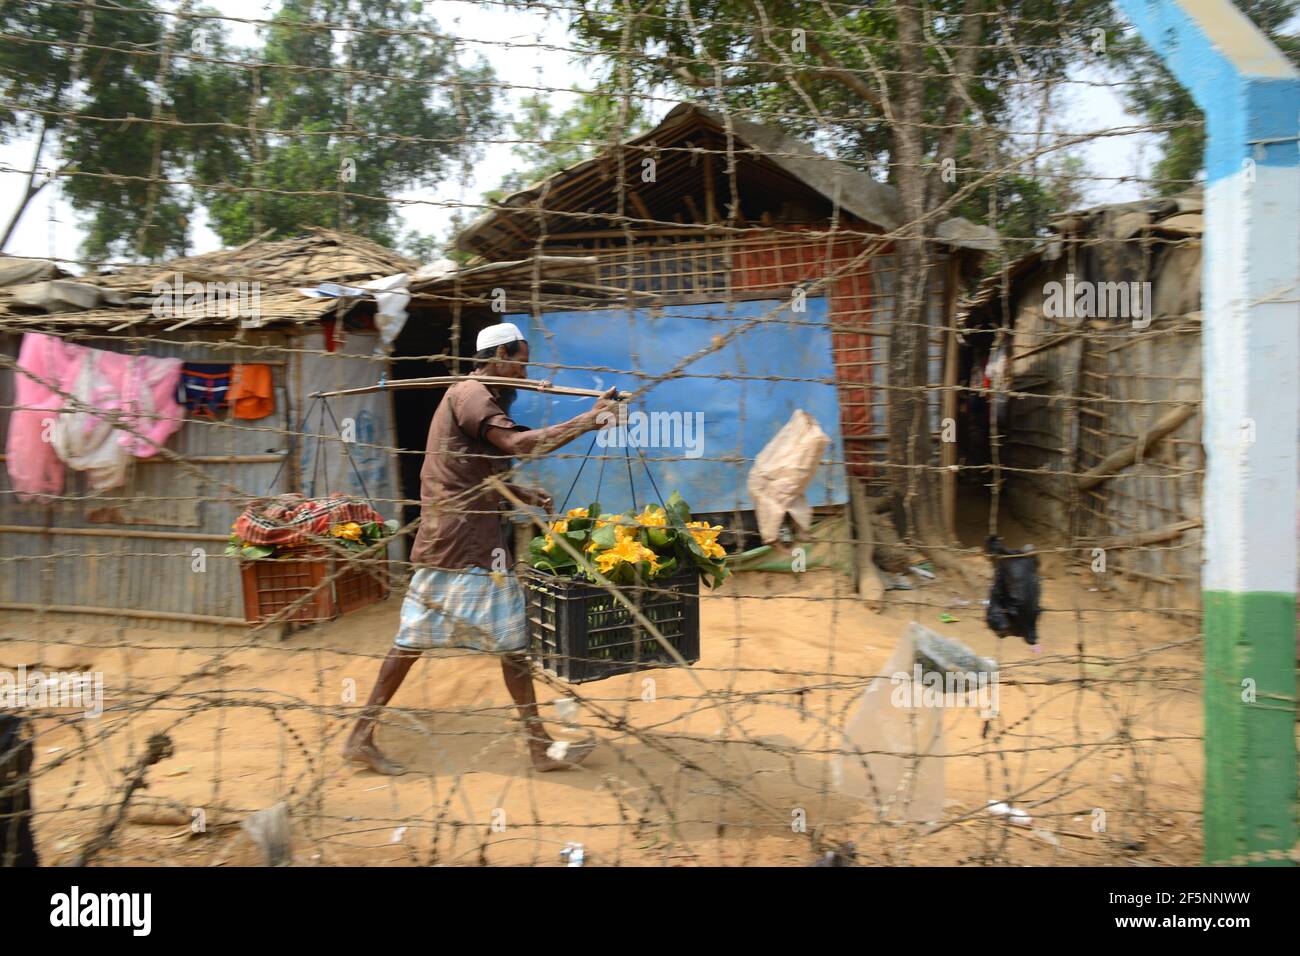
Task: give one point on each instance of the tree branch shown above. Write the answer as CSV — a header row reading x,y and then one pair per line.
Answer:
x,y
32,189
837,71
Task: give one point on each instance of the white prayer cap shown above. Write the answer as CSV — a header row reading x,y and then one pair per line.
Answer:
x,y
495,335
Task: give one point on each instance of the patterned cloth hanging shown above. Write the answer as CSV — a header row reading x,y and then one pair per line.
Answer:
x,y
288,521
204,388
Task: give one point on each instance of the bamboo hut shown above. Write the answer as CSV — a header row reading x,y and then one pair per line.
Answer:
x,y
135,551
653,251
1090,419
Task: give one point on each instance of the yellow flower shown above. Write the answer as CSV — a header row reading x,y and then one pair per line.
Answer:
x,y
622,530
559,527
577,513
627,550
652,517
351,531
706,537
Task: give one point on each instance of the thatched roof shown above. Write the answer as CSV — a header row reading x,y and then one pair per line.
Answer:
x,y
280,267
691,145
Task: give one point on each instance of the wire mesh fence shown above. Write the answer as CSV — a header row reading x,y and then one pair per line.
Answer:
x,y
885,307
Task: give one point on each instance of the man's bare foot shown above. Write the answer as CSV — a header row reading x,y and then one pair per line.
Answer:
x,y
551,754
370,757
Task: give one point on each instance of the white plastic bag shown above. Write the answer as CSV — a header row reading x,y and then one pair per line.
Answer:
x,y
892,756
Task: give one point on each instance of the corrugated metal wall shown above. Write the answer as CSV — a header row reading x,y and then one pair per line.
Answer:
x,y
133,548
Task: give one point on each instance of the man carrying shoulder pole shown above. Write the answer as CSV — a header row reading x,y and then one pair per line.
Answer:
x,y
458,597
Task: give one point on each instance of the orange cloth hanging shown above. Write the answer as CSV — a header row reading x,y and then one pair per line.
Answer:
x,y
252,394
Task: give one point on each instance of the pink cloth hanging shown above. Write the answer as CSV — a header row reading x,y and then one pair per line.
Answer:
x,y
140,387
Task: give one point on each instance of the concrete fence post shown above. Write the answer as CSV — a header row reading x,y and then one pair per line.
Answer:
x,y
1250,95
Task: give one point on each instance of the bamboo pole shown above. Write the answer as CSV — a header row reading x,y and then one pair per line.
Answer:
x,y
1141,538
113,533
948,449
125,612
441,381
1119,460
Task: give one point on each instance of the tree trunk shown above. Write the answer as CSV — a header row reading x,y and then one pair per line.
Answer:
x,y
910,441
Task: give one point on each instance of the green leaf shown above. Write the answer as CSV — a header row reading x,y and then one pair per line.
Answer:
x,y
667,569
254,552
660,538
679,512
693,549
392,525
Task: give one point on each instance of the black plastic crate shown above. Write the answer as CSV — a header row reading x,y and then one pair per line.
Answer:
x,y
580,633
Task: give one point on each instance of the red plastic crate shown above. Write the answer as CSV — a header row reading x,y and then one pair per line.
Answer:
x,y
363,583
272,584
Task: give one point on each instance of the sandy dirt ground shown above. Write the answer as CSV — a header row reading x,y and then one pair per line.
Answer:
x,y
1097,741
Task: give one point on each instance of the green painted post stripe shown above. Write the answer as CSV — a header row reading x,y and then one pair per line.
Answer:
x,y
1250,747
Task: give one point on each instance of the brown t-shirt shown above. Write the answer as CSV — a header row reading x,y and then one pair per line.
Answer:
x,y
461,521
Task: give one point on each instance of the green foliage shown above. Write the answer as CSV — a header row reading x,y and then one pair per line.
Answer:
x,y
551,140
766,73
1026,203
642,547
90,108
344,100
1158,97
278,136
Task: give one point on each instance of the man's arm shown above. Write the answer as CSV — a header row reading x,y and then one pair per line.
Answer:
x,y
540,441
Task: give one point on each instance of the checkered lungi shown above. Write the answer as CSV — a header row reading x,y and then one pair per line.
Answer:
x,y
475,609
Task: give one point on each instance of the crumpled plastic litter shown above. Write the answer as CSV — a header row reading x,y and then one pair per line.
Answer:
x,y
893,755
782,473
573,854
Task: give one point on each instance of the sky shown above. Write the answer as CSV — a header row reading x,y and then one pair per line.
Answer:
x,y
527,49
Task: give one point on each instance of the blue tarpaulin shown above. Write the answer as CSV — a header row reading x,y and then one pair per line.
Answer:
x,y
740,410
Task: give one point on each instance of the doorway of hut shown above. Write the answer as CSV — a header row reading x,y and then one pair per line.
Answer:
x,y
977,405
992,450
985,438
424,349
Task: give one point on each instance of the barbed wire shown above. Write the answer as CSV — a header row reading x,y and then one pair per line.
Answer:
x,y
1093,753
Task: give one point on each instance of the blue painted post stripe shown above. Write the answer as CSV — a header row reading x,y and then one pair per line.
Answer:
x,y
1250,343
1248,91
